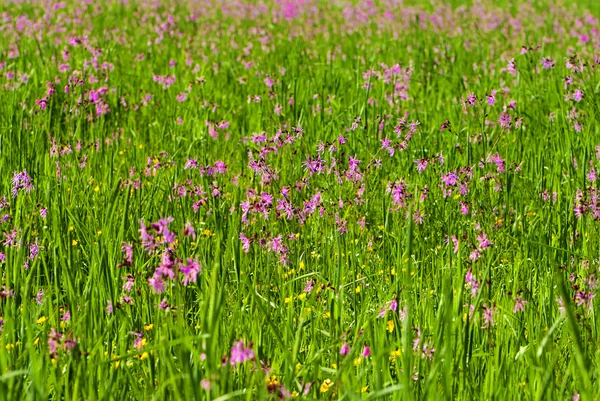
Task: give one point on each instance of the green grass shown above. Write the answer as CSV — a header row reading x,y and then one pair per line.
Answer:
x,y
98,175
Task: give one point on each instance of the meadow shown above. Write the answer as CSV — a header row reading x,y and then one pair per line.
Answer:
x,y
299,199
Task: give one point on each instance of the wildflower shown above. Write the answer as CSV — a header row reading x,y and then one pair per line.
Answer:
x,y
139,340
561,304
127,249
417,338
129,283
471,99
504,120
471,282
390,326
240,353
33,250
157,284
245,242
163,304
148,242
205,384
584,298
21,181
390,305
190,270
491,98
519,305
327,383
547,63
421,164
345,349
488,316
511,67
427,352
484,242
366,352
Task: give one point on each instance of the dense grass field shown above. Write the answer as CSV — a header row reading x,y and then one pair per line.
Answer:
x,y
332,200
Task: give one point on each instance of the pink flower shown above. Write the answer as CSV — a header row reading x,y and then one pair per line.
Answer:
x,y
519,305
240,353
190,271
345,349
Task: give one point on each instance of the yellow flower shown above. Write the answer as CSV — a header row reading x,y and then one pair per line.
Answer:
x,y
295,394
10,346
301,266
326,385
364,389
358,361
357,290
288,299
36,341
272,381
143,356
117,363
326,315
74,242
302,296
96,188
42,320
148,327
390,326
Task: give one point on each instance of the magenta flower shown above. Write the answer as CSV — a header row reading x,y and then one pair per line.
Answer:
x,y
188,230
344,349
127,249
163,304
547,63
488,316
484,242
519,305
472,282
190,270
240,353
21,182
157,285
